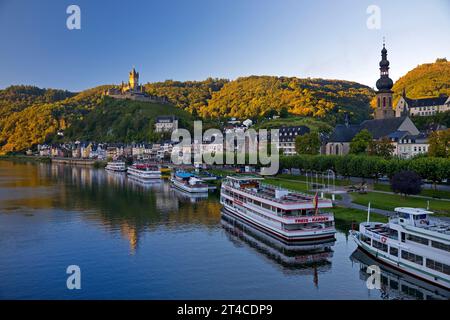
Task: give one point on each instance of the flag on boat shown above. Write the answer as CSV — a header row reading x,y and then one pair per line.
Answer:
x,y
316,202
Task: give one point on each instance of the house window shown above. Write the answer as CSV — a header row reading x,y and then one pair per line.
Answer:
x,y
384,102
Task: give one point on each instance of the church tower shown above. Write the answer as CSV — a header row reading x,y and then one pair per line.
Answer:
x,y
134,80
384,85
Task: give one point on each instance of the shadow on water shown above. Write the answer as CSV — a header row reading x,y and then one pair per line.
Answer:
x,y
299,258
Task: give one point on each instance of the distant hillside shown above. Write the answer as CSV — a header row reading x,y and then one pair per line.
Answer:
x,y
191,96
84,116
124,120
256,95
32,115
16,98
425,80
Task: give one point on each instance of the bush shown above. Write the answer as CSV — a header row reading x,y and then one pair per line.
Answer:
x,y
406,182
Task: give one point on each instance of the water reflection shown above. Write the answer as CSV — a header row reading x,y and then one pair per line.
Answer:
x,y
301,258
396,285
112,200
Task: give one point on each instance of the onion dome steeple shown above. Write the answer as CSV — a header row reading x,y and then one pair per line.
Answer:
x,y
384,83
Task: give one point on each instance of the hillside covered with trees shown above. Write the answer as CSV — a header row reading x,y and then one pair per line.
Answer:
x,y
255,96
424,81
30,115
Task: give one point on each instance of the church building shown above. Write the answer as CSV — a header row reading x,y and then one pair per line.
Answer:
x,y
384,125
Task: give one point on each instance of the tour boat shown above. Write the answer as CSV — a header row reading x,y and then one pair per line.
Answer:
x,y
290,215
188,182
118,166
144,171
411,242
397,285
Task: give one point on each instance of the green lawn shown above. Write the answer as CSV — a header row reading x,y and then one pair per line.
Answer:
x,y
358,216
425,192
390,201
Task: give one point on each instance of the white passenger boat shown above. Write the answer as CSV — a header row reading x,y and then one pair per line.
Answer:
x,y
397,285
118,166
287,214
188,182
411,242
144,171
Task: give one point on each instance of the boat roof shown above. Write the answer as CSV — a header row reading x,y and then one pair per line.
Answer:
x,y
244,178
183,174
413,211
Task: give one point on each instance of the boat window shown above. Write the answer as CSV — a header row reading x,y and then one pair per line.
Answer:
x,y
403,237
379,245
420,217
412,292
393,251
394,284
417,239
365,239
404,215
438,266
440,245
412,257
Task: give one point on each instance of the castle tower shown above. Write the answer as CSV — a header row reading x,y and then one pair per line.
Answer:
x,y
133,80
384,85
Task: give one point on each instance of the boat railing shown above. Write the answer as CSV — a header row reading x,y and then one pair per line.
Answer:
x,y
308,198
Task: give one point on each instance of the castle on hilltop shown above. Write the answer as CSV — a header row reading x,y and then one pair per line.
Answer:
x,y
133,90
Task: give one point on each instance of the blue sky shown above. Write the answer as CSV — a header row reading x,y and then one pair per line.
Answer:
x,y
196,39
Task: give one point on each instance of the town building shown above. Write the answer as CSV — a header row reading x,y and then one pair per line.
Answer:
x,y
166,124
407,145
421,107
287,136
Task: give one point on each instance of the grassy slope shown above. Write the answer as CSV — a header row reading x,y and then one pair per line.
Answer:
x,y
390,201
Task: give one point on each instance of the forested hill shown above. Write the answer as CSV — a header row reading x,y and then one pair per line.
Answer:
x,y
254,96
17,98
426,80
30,115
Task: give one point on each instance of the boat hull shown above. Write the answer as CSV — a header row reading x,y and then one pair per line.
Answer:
x,y
399,265
144,174
281,234
187,188
116,169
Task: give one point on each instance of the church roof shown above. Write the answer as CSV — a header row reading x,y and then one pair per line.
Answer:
x,y
425,102
343,133
378,128
382,127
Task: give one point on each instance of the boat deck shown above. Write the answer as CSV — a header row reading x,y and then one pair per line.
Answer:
x,y
382,230
269,192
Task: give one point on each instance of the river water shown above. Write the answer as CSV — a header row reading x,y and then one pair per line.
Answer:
x,y
135,241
